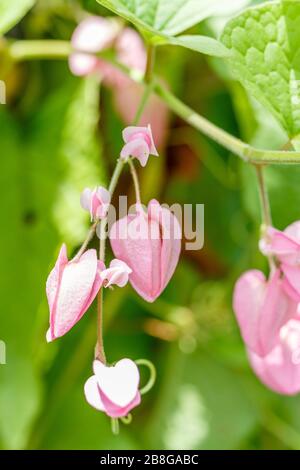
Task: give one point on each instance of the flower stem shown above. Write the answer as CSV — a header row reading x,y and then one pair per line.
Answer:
x,y
264,198
265,209
89,237
99,350
135,180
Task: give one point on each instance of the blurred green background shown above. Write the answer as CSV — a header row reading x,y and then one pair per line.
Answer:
x,y
59,134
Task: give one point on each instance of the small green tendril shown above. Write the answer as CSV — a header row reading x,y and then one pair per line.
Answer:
x,y
115,426
152,379
126,419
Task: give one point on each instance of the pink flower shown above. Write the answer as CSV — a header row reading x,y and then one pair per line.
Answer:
x,y
96,34
117,273
262,307
96,202
138,143
71,288
114,389
280,369
285,246
149,243
92,35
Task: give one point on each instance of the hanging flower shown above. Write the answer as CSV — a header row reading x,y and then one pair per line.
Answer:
x,y
262,307
150,244
71,288
96,202
114,389
138,143
285,247
117,273
280,369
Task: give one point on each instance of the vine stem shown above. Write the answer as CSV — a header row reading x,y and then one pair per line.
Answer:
x,y
89,237
99,350
55,49
264,197
135,180
265,208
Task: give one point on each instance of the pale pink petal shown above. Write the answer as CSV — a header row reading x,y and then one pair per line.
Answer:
x,y
92,393
292,276
248,299
147,243
119,383
284,245
82,64
264,366
293,231
85,199
78,287
115,411
135,251
262,308
117,273
280,369
131,50
54,277
94,34
136,148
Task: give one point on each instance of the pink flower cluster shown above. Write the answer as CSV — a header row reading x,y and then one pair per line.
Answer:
x,y
268,312
95,35
147,247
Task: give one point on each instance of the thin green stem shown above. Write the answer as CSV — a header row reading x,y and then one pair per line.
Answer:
x,y
89,237
51,49
265,209
135,180
39,49
264,197
99,350
143,102
151,51
115,426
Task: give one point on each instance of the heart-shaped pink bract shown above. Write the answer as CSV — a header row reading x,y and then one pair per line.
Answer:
x,y
114,389
262,307
71,288
150,244
280,369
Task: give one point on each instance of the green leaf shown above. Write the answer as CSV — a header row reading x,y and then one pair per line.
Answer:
x,y
80,153
163,16
202,44
12,11
162,20
265,46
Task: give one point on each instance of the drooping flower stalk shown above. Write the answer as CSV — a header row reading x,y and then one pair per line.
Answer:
x,y
265,208
99,350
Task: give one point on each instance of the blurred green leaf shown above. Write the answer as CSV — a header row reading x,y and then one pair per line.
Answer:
x,y
265,45
19,388
12,11
203,406
80,154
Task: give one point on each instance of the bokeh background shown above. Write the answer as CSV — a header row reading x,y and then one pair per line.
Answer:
x,y
59,134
